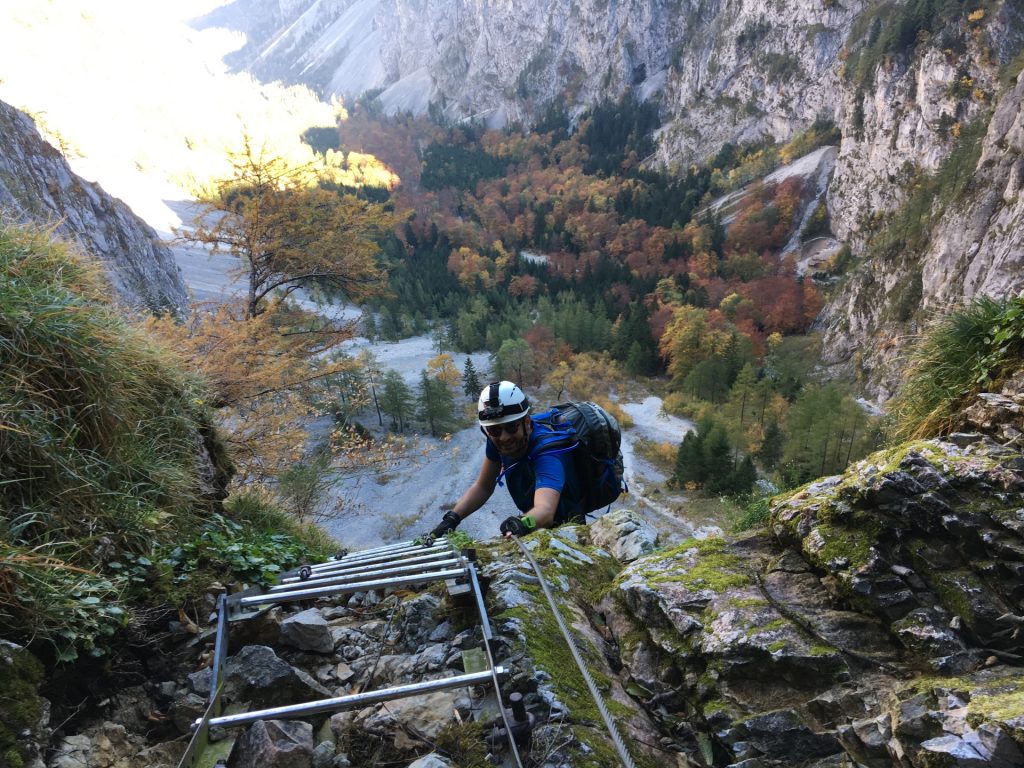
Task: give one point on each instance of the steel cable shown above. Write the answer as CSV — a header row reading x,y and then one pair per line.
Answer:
x,y
485,629
620,746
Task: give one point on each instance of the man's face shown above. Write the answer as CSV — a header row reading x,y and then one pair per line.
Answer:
x,y
511,438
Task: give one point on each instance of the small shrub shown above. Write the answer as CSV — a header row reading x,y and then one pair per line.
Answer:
x,y
754,513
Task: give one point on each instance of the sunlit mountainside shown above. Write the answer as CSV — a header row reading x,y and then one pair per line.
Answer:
x,y
139,100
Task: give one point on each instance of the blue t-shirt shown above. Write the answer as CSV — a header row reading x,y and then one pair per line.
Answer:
x,y
548,470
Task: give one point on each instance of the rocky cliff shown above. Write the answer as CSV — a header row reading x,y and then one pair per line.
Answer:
x,y
38,186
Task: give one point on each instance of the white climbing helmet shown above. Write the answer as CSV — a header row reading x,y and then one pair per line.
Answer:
x,y
501,402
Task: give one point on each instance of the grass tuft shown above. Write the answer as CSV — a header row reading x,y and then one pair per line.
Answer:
x,y
974,349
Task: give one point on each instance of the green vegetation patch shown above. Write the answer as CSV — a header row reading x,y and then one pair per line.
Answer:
x,y
590,574
97,448
697,564
974,349
993,697
99,434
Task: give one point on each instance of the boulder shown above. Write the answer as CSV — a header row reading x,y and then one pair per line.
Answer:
x,y
256,674
624,534
432,760
307,631
425,715
274,744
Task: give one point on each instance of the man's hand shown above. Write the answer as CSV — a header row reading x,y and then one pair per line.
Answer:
x,y
448,523
517,526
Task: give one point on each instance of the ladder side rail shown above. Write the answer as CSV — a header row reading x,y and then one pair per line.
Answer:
x,y
220,649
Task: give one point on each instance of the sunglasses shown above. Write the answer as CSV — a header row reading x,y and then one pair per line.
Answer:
x,y
499,429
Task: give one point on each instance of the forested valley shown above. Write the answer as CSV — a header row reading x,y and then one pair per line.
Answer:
x,y
558,251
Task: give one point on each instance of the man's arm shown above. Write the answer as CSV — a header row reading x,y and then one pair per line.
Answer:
x,y
480,491
545,503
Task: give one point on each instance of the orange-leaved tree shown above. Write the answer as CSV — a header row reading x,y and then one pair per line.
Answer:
x,y
272,364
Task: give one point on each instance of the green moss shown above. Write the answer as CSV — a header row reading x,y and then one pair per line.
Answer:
x,y
711,566
465,743
954,587
852,542
778,645
1004,702
991,698
746,602
602,753
20,704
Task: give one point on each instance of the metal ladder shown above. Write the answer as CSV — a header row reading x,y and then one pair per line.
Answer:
x,y
398,565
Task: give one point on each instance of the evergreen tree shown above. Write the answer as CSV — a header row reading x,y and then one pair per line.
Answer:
x,y
744,477
369,325
718,464
396,400
470,380
771,446
690,459
435,404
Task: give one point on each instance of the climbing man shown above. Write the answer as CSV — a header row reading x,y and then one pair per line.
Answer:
x,y
543,485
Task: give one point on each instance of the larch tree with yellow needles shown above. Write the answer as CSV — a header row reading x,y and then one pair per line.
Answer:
x,y
268,359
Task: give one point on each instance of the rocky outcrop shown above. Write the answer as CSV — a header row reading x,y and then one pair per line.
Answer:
x,y
974,246
37,186
879,620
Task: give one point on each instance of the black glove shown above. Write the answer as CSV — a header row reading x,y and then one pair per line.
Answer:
x,y
448,523
518,526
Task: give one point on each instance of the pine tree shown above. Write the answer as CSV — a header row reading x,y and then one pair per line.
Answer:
x,y
396,400
744,477
718,464
690,459
771,446
435,404
470,380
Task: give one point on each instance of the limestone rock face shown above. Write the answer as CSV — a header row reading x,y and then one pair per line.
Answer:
x,y
38,186
805,644
275,744
624,534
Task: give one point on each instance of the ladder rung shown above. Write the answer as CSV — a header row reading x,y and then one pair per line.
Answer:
x,y
341,578
354,562
356,699
359,586
343,567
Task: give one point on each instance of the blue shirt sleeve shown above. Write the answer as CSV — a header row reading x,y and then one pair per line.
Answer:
x,y
549,472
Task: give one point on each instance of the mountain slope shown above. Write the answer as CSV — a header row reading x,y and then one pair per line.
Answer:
x,y
37,185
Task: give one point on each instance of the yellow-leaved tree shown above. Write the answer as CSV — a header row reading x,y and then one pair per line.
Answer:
x,y
271,362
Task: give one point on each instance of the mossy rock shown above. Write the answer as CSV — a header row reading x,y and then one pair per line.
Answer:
x,y
21,706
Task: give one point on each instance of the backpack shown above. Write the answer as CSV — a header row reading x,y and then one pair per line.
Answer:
x,y
594,437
